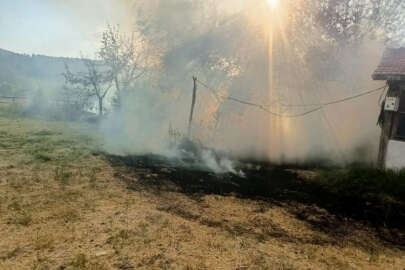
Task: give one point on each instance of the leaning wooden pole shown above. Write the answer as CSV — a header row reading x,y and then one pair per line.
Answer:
x,y
190,120
387,127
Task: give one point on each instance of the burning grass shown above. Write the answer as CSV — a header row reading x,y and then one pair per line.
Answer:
x,y
80,209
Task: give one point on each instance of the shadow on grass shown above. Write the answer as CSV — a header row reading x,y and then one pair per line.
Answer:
x,y
327,200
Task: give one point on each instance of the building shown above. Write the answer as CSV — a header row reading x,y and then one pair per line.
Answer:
x,y
392,119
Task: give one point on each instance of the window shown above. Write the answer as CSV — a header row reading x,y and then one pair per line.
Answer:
x,y
400,130
401,127
402,101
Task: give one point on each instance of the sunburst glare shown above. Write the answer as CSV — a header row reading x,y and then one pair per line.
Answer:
x,y
273,3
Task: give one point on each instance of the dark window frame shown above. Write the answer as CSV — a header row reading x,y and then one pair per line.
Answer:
x,y
400,126
399,117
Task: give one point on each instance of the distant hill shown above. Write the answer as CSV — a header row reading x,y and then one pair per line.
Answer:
x,y
22,74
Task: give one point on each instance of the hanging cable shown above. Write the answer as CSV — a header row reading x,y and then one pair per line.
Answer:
x,y
264,108
337,101
259,106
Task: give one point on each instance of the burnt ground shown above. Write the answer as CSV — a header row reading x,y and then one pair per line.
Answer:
x,y
299,191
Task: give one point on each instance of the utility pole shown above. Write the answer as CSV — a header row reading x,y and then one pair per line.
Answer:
x,y
190,120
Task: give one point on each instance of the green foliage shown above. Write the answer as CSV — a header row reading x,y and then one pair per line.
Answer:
x,y
366,183
374,195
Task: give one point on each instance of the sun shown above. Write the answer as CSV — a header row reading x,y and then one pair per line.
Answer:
x,y
273,3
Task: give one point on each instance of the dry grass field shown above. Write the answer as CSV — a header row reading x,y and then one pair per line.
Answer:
x,y
65,205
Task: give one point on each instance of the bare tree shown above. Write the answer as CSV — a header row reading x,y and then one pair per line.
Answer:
x,y
94,82
125,58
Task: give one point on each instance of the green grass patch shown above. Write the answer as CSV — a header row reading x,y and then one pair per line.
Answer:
x,y
45,133
376,196
43,157
368,184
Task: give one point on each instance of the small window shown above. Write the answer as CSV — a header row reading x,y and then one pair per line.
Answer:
x,y
402,102
400,132
401,127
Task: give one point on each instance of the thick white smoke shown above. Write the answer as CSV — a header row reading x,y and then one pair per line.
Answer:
x,y
230,50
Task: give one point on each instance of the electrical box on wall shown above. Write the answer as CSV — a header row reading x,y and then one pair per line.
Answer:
x,y
391,104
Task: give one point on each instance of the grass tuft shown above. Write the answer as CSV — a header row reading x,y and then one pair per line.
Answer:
x,y
11,254
43,157
62,176
23,219
80,261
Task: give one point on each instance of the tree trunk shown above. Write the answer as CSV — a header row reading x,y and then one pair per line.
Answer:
x,y
100,106
118,94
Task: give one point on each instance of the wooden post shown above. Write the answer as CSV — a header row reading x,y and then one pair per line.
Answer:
x,y
190,120
385,135
387,128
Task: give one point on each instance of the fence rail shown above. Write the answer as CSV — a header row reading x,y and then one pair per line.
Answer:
x,y
8,97
12,100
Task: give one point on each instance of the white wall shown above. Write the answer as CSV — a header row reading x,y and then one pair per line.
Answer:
x,y
395,155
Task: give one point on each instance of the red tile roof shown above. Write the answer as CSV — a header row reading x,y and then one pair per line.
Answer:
x,y
392,66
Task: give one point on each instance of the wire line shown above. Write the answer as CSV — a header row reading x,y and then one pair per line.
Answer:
x,y
260,106
265,109
337,101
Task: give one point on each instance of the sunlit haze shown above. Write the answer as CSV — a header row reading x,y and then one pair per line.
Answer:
x,y
273,3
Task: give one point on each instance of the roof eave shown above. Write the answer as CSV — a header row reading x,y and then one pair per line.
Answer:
x,y
388,77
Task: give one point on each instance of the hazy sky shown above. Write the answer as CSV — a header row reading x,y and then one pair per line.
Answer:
x,y
58,27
